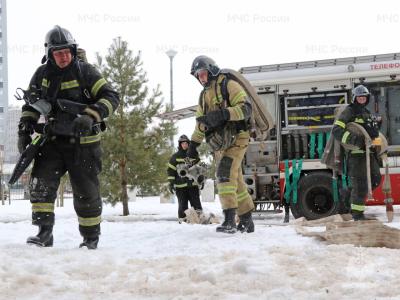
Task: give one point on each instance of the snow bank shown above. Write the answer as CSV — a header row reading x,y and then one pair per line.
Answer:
x,y
148,255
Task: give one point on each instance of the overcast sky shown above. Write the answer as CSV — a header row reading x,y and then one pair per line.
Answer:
x,y
234,33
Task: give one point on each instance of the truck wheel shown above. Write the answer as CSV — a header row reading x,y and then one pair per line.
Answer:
x,y
315,197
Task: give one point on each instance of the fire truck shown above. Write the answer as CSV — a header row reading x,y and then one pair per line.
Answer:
x,y
302,98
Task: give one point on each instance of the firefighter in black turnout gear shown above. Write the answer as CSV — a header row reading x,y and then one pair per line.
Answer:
x,y
73,141
184,187
356,160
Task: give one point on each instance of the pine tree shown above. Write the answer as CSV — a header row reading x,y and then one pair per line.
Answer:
x,y
136,148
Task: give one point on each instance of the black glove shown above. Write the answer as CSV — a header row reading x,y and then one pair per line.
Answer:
x,y
26,126
82,125
171,188
192,150
372,129
356,140
215,118
23,141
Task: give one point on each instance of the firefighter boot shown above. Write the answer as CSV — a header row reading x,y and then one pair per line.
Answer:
x,y
90,242
44,238
246,223
359,216
229,224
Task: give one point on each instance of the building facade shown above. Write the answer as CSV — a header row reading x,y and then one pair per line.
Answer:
x,y
3,73
11,154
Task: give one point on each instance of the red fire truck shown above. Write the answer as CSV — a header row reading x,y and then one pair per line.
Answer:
x,y
302,98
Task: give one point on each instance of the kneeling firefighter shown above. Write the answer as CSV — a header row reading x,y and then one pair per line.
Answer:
x,y
223,113
356,159
73,141
185,188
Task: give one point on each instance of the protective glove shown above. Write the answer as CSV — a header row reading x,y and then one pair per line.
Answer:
x,y
171,188
356,140
201,186
23,141
372,130
192,150
26,126
82,125
215,118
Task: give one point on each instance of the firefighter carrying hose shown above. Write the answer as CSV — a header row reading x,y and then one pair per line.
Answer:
x,y
224,124
356,160
73,142
183,187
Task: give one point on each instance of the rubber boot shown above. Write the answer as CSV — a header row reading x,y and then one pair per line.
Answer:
x,y
286,218
44,238
229,224
90,242
359,216
246,223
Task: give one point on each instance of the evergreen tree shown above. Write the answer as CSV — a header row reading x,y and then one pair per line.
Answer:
x,y
136,148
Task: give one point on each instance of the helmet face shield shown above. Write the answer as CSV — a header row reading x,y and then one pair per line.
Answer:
x,y
200,72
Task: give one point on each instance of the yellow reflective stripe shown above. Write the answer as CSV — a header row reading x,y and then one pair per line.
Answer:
x,y
42,207
36,139
359,120
357,207
171,177
90,139
217,99
180,185
180,159
242,196
198,114
171,166
89,221
107,104
69,84
96,87
345,136
340,123
45,83
235,113
341,100
239,96
357,151
30,114
226,189
198,136
328,117
304,118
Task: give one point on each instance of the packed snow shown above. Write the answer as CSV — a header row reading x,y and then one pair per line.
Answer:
x,y
149,255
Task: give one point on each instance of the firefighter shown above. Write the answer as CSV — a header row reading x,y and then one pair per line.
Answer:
x,y
73,141
184,187
356,161
229,118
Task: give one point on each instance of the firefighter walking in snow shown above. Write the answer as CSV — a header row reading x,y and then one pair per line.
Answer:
x,y
73,141
356,160
222,118
184,187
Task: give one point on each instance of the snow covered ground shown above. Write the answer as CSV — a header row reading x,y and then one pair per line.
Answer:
x,y
148,255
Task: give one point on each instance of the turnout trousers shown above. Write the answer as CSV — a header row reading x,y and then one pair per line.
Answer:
x,y
188,194
232,189
83,164
357,165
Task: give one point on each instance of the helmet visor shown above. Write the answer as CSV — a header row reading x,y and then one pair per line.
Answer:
x,y
200,72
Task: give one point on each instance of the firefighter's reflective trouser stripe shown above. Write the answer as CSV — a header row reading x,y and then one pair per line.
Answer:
x,y
55,159
232,189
